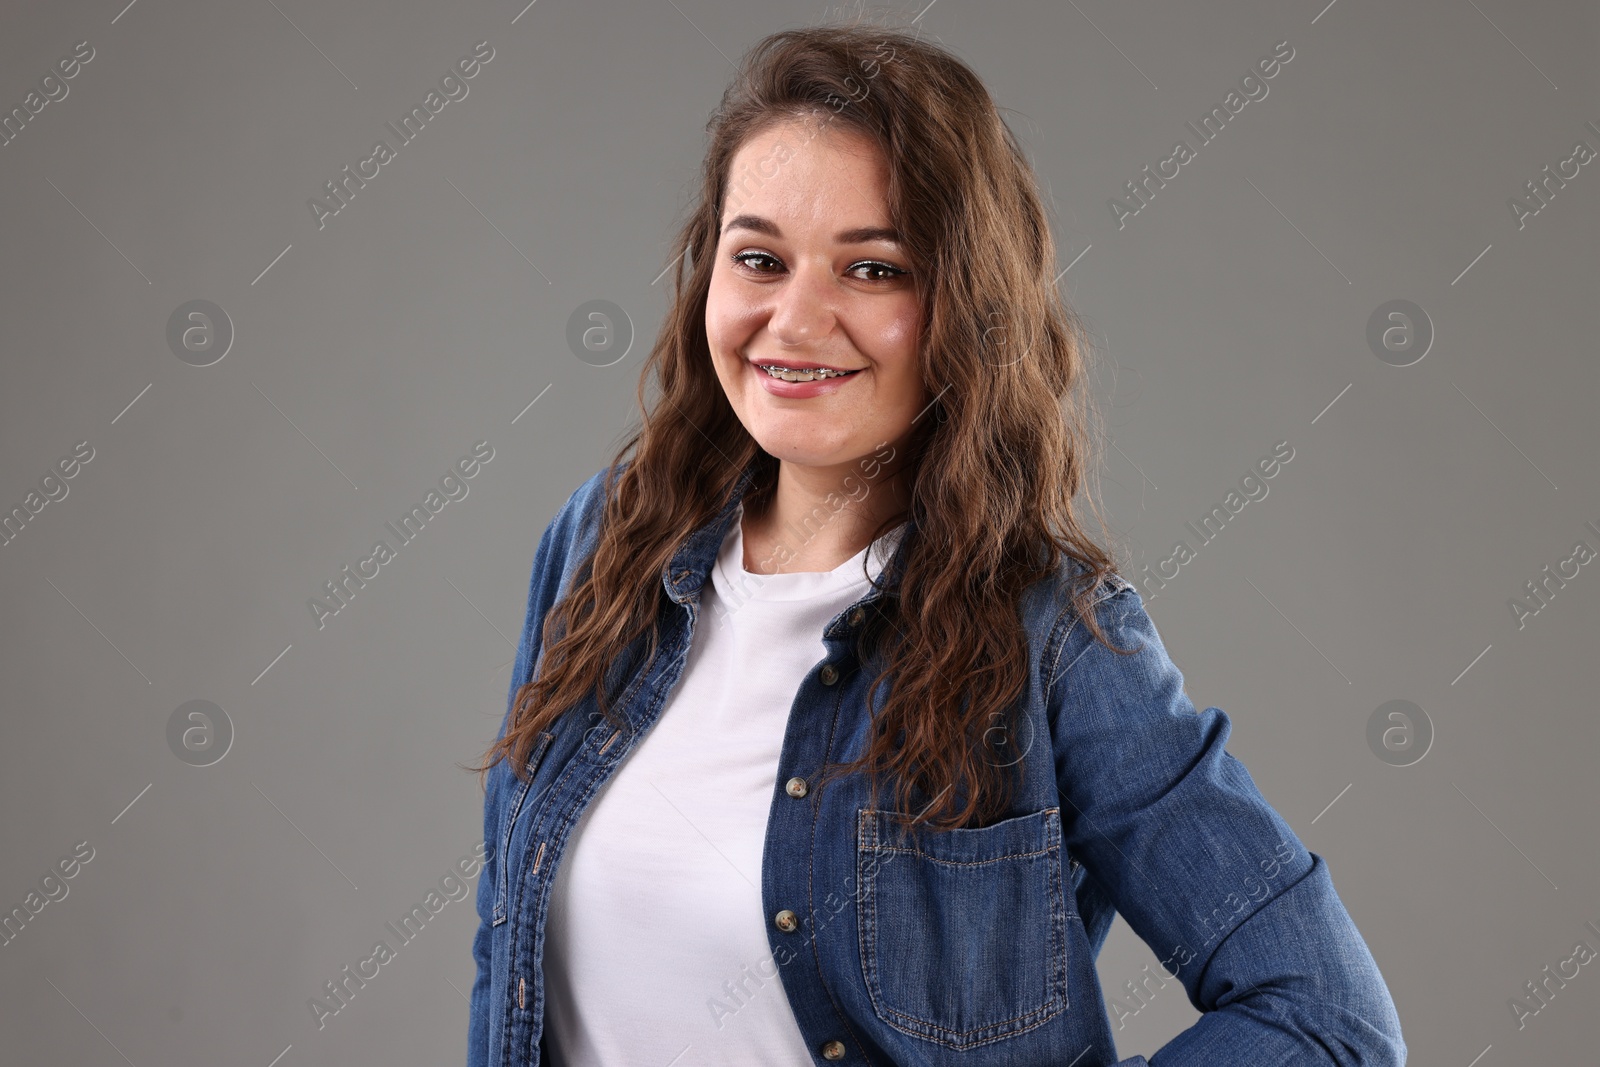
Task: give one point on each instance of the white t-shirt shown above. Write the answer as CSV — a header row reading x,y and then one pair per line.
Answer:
x,y
656,945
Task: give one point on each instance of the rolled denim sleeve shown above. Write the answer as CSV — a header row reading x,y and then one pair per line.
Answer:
x,y
1201,866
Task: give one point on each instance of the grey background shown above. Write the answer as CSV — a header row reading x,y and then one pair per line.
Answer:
x,y
431,312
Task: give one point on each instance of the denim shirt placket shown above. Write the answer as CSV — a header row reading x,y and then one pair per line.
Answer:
x,y
547,821
548,829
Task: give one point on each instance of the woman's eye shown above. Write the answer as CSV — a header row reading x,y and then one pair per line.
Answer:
x,y
891,272
745,258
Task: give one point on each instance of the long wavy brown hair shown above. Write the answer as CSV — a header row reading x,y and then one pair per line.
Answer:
x,y
994,468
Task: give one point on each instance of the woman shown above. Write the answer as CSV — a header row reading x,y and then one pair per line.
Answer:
x,y
844,555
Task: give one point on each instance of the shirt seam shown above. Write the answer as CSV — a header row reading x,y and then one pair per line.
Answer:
x,y
1060,643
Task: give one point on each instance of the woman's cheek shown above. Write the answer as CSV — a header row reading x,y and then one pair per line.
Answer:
x,y
897,338
729,323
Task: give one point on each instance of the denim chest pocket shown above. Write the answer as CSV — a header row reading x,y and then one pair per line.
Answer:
x,y
508,823
963,933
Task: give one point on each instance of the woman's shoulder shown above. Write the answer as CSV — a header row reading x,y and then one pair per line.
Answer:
x,y
1074,575
588,500
1053,607
576,523
590,497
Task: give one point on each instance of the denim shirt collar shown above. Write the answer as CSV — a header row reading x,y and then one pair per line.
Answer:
x,y
690,566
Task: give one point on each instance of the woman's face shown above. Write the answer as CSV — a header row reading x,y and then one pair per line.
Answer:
x,y
807,274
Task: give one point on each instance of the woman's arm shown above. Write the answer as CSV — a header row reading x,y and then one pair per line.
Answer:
x,y
1201,866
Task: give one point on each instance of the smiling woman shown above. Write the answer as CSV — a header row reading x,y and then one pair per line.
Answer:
x,y
688,784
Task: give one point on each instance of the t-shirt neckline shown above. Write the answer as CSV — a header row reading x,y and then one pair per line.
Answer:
x,y
796,585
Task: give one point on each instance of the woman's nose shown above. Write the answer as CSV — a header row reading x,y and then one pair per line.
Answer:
x,y
803,307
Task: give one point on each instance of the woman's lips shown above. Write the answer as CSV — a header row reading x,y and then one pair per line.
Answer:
x,y
797,364
801,390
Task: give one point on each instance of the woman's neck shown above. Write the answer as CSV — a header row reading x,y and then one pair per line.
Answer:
x,y
816,518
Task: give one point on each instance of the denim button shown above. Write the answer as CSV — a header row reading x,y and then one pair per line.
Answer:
x,y
786,921
833,1050
796,787
855,617
829,674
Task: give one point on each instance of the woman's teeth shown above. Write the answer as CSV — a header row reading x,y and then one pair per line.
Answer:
x,y
783,374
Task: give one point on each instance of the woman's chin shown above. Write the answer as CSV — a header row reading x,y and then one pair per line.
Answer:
x,y
799,449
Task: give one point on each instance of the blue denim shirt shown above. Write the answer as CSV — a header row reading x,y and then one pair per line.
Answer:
x,y
977,946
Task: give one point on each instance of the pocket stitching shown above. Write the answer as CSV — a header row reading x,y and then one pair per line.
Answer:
x,y
868,842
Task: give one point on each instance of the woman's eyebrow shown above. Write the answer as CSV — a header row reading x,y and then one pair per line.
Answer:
x,y
845,237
